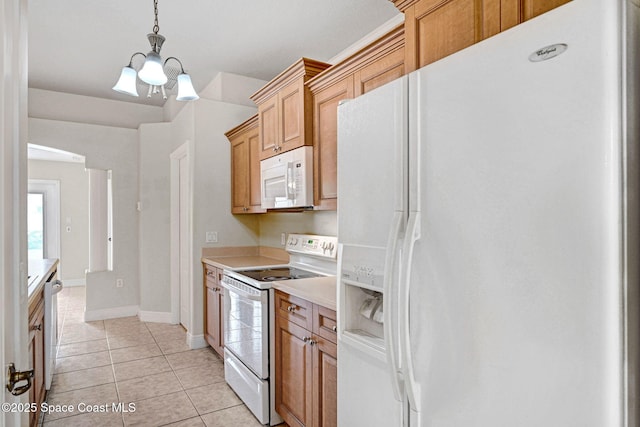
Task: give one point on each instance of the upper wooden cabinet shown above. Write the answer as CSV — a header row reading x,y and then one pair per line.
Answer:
x,y
245,167
437,28
284,109
376,64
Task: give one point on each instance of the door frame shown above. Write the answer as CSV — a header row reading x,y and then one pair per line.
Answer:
x,y
184,151
52,236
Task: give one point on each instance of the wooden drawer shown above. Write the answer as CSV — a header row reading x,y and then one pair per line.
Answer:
x,y
294,309
324,323
213,276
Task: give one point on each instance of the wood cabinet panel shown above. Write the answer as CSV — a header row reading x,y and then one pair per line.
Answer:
x,y
439,28
239,175
245,167
325,148
306,366
324,323
214,309
325,373
294,309
514,12
284,109
380,72
292,120
268,119
294,373
37,391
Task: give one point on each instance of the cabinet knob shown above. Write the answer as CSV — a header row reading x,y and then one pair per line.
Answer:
x,y
37,327
335,328
292,308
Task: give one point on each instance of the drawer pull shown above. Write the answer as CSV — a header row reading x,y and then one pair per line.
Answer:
x,y
292,308
37,327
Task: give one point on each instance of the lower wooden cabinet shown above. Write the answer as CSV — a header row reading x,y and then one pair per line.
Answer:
x,y
36,350
306,362
214,308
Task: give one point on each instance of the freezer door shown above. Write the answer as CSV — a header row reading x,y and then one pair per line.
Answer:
x,y
372,204
515,297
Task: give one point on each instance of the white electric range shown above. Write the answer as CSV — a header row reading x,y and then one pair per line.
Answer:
x,y
249,319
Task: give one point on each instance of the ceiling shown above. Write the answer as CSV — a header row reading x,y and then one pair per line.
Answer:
x,y
80,46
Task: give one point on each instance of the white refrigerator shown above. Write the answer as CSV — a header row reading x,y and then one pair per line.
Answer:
x,y
488,232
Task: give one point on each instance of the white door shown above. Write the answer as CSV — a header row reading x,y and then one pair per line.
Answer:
x,y
13,189
516,295
181,253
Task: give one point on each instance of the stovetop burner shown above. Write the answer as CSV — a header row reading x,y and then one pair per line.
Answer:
x,y
276,274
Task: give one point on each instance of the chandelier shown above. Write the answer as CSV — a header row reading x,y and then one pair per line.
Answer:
x,y
153,70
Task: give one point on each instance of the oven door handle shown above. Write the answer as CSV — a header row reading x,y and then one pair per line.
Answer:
x,y
242,293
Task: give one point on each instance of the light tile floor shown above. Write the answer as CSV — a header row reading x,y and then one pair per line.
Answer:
x,y
126,361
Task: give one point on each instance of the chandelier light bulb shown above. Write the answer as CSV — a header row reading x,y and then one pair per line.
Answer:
x,y
186,92
127,82
152,72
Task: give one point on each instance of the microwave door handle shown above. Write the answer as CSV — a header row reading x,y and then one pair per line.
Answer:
x,y
289,191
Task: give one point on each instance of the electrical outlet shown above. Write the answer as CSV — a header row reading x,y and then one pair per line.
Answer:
x,y
119,283
211,237
283,239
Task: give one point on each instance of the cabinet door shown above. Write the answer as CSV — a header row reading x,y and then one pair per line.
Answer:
x,y
293,373
325,383
325,142
435,28
384,70
292,121
219,312
36,349
254,199
513,12
268,118
240,172
212,332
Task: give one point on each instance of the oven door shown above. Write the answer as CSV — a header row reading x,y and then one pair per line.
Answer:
x,y
246,325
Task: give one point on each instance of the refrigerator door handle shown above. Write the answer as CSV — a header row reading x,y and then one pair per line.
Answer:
x,y
390,304
411,385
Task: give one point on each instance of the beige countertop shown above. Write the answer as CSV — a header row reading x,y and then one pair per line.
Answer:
x,y
318,290
39,272
241,262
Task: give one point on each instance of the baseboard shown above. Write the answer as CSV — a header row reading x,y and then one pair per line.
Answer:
x,y
155,316
111,313
196,341
72,283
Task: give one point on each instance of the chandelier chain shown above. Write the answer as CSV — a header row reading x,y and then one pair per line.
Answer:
x,y
156,27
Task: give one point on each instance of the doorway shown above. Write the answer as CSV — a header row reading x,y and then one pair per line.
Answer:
x,y
181,247
43,219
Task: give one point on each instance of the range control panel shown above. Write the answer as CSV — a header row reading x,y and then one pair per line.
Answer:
x,y
322,246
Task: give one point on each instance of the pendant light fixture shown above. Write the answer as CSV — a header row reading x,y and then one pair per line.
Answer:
x,y
153,70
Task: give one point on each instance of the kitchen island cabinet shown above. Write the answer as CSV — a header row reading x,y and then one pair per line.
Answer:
x,y
284,109
245,167
306,362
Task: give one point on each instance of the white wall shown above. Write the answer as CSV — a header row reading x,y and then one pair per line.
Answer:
x,y
273,224
74,206
46,104
202,123
105,147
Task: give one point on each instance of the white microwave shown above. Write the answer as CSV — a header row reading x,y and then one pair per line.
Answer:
x,y
287,179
